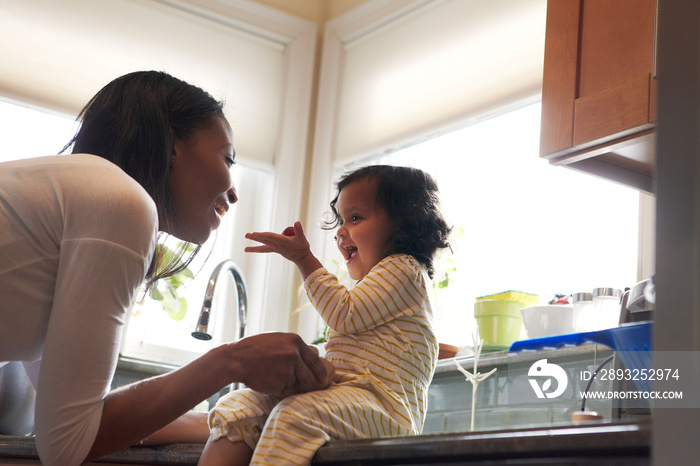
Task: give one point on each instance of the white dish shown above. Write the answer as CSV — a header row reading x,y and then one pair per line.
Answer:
x,y
547,320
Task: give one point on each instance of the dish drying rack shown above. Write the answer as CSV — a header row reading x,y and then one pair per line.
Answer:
x,y
632,342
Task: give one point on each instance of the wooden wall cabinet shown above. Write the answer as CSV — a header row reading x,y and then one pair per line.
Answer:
x,y
599,89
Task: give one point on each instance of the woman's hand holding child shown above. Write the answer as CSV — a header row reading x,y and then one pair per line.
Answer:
x,y
290,365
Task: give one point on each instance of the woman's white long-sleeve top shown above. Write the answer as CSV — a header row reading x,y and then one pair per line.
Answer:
x,y
77,237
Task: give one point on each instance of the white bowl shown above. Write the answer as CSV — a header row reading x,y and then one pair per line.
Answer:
x,y
547,320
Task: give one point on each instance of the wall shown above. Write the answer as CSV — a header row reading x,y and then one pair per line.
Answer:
x,y
677,327
318,11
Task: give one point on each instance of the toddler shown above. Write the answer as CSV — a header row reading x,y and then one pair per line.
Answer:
x,y
380,335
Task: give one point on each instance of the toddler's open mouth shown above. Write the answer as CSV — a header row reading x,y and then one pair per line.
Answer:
x,y
350,252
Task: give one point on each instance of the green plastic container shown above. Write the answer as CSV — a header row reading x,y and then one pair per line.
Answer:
x,y
500,322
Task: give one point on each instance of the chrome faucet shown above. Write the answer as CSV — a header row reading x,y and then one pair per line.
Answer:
x,y
201,332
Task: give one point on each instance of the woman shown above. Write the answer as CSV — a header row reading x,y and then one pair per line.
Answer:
x,y
153,155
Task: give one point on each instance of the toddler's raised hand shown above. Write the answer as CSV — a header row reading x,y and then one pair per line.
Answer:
x,y
291,247
294,248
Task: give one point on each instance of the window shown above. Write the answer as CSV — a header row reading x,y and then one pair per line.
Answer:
x,y
522,224
30,132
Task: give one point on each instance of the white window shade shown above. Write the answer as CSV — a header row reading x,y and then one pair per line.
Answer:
x,y
58,54
432,66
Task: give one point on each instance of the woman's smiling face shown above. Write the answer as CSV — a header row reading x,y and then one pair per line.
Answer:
x,y
365,228
200,181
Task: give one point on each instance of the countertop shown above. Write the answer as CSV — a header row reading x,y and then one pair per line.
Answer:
x,y
24,448
594,442
564,445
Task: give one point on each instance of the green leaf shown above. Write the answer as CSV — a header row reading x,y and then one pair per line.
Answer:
x,y
166,291
174,305
181,312
155,294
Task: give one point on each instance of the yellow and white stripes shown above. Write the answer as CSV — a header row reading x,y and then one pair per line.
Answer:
x,y
385,323
381,341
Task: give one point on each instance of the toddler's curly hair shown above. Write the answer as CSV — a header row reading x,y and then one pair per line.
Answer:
x,y
409,196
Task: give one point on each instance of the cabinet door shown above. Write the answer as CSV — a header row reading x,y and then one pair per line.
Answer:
x,y
597,82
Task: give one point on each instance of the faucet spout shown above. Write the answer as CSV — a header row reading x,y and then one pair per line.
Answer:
x,y
202,331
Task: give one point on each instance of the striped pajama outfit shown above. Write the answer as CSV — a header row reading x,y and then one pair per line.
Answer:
x,y
381,342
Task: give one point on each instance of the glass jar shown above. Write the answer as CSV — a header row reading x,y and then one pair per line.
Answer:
x,y
584,318
606,305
